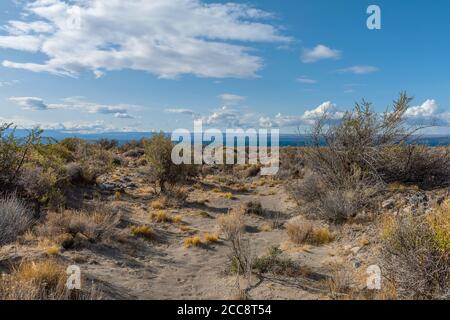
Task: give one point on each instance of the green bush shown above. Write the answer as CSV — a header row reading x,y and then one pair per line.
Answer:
x,y
162,171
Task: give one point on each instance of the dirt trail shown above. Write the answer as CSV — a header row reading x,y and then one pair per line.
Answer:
x,y
165,269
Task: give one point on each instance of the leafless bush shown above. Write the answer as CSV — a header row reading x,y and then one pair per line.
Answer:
x,y
426,167
414,259
15,219
70,227
308,189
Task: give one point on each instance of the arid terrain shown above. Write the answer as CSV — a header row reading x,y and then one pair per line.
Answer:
x,y
361,216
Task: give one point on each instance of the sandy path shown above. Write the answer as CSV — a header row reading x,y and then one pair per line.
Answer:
x,y
165,269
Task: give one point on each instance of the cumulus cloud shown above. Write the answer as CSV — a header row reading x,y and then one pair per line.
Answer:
x,y
428,114
203,38
326,109
123,115
359,69
320,52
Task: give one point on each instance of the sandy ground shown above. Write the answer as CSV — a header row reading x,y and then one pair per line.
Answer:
x,y
164,268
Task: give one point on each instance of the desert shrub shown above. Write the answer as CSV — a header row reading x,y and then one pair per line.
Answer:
x,y
273,262
40,280
231,224
134,153
308,189
75,227
162,171
301,232
416,256
15,219
108,144
426,167
253,207
14,153
292,163
362,152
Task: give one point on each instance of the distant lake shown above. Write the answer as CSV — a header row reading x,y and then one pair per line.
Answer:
x,y
286,140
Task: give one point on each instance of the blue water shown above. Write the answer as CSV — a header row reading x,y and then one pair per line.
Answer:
x,y
286,140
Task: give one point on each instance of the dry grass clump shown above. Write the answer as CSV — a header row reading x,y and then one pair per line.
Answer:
x,y
77,228
40,280
228,195
195,241
177,219
143,231
160,203
15,219
340,283
210,238
161,217
305,232
231,224
416,255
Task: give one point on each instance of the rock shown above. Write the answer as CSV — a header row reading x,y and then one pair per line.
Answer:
x,y
357,264
388,204
355,250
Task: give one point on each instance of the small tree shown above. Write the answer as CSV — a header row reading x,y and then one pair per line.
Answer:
x,y
158,151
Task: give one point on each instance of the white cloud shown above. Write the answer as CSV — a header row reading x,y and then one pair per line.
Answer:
x,y
231,99
29,103
359,69
167,38
428,114
306,80
320,52
73,103
181,111
66,126
125,115
428,108
327,109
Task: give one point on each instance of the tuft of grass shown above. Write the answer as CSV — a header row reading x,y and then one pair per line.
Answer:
x,y
177,219
307,233
143,231
216,190
160,203
161,217
211,238
439,221
192,241
265,228
117,196
228,195
185,228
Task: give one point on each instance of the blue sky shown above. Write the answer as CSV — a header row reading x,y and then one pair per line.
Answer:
x,y
157,65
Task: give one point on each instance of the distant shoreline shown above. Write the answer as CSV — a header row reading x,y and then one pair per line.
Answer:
x,y
286,140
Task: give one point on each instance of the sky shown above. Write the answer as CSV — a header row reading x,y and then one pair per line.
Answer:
x,y
150,65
